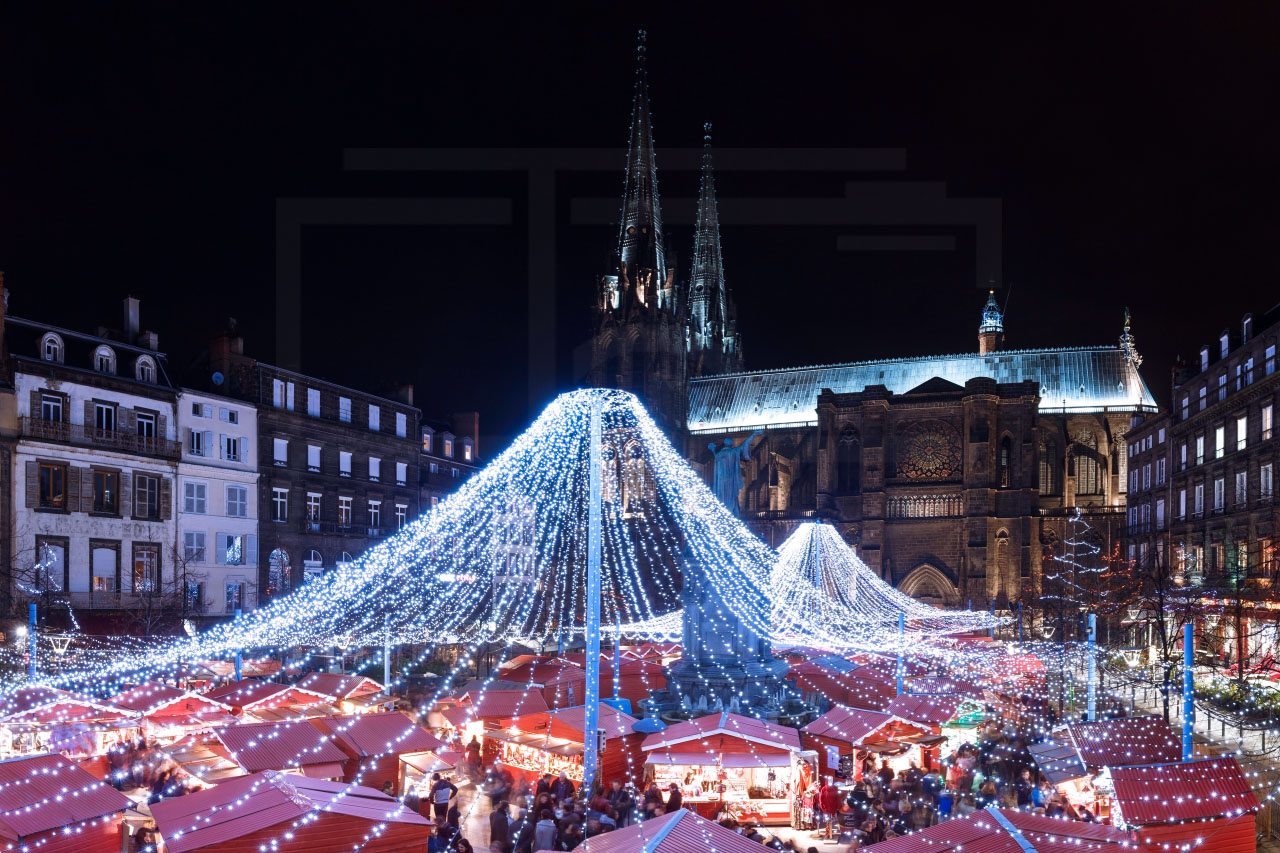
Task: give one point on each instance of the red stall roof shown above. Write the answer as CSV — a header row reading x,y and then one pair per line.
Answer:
x,y
250,692
994,830
336,686
932,685
732,725
240,807
854,725
275,746
378,734
1125,741
49,705
43,792
681,831
1174,793
499,704
152,698
930,710
570,723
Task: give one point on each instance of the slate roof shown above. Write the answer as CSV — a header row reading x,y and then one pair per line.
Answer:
x,y
1088,379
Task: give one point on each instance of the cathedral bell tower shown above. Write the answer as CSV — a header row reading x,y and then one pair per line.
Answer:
x,y
714,343
992,327
639,344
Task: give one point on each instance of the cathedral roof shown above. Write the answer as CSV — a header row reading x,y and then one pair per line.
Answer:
x,y
1083,379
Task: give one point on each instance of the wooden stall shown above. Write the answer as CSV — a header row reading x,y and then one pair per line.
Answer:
x,y
375,744
842,736
170,713
296,746
1204,803
553,741
38,815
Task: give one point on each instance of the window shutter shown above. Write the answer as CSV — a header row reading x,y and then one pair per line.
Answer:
x,y
166,499
126,494
220,549
128,421
33,484
241,447
208,443
35,403
73,489
86,489
208,410
222,445
185,438
251,550
162,426
88,413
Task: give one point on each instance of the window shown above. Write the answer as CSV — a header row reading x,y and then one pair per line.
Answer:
x,y
1222,387
313,457
1219,493
1160,472
1242,431
1088,470
231,447
279,504
237,501
146,568
1269,363
1242,489
230,416
104,360
145,369
1006,451
313,402
1264,481
433,467
51,408
145,424
1266,422
344,463
1186,407
193,546
1133,480
1160,440
1199,449
375,415
344,409
1049,468
313,507
1203,400
466,451
402,515
1199,499
232,549
434,500
146,496
1239,376
198,443
53,486
1219,441
375,469
1146,476
1204,358
426,442
1182,503
402,473
193,497
448,447
402,424
104,417
277,393
1225,344
1248,371
344,510
453,472
106,491
193,596
280,451
51,348
375,514
235,597
1160,514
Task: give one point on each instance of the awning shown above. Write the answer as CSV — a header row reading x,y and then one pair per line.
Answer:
x,y
886,747
332,770
425,762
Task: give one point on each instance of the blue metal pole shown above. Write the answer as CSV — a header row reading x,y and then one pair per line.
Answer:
x,y
1188,690
591,724
31,640
237,619
617,656
902,638
1093,667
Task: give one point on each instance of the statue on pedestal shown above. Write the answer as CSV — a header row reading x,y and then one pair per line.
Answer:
x,y
728,471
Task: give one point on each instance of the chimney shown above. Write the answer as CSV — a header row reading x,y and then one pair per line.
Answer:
x,y
130,327
467,425
404,393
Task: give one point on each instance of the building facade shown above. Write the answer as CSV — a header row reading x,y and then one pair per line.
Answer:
x,y
1202,481
94,469
217,503
450,456
955,476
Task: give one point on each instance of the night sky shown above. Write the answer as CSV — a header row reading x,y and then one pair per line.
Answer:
x,y
1134,148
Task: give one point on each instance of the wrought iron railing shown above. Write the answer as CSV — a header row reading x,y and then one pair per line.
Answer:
x,y
89,436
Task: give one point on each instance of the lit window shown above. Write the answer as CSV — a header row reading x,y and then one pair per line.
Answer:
x,y
53,486
1266,422
1242,431
146,568
1199,449
344,510
466,451
426,442
1219,441
313,507
448,448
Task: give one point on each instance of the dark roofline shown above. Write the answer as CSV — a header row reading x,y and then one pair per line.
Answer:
x,y
904,359
111,342
336,387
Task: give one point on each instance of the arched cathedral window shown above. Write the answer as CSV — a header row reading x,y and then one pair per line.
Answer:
x,y
1006,462
848,462
1049,479
1088,470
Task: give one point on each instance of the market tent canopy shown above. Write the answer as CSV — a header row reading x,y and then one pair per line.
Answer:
x,y
854,725
930,710
251,694
157,699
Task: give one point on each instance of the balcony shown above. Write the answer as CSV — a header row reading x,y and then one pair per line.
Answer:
x,y
331,528
108,439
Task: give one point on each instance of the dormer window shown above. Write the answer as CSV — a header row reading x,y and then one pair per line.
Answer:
x,y
448,448
466,450
51,348
145,369
104,360
427,435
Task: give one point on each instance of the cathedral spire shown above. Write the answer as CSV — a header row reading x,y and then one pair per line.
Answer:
x,y
1127,344
992,326
712,324
640,240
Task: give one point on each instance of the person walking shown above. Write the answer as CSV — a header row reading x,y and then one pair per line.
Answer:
x,y
442,791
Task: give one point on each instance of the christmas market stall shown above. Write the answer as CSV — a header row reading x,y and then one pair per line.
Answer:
x,y
43,719
254,698
353,694
269,811
845,738
294,746
479,713
727,760
956,718
375,745
1009,831
1077,753
169,713
682,831
554,741
50,805
1205,803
